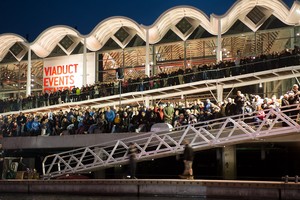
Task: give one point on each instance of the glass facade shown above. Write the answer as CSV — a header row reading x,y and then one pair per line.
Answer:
x,y
184,54
168,54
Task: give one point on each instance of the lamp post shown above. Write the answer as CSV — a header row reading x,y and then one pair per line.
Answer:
x,y
120,92
120,77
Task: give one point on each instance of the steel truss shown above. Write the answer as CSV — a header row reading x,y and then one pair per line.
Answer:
x,y
203,135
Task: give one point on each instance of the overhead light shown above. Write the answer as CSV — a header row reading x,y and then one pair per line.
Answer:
x,y
260,85
298,11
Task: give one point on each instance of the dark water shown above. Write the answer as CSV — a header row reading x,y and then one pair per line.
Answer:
x,y
84,197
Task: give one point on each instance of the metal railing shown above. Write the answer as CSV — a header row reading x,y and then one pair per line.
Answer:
x,y
203,135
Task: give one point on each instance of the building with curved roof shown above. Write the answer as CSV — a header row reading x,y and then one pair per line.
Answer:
x,y
181,37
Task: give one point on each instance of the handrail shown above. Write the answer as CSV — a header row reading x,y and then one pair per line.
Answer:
x,y
251,66
203,135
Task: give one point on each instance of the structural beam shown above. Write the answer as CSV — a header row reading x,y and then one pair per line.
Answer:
x,y
28,82
147,64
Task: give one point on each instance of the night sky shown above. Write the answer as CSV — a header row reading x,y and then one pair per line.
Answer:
x,y
30,18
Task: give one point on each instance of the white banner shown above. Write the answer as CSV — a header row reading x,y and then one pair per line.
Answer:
x,y
67,72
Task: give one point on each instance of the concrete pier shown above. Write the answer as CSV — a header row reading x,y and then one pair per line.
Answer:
x,y
163,187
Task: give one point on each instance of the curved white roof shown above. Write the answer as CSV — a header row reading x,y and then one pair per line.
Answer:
x,y
7,41
48,39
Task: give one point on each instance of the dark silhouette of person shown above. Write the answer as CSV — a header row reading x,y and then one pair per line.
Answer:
x,y
132,151
188,157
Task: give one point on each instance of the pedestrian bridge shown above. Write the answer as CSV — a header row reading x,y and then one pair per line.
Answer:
x,y
203,135
177,91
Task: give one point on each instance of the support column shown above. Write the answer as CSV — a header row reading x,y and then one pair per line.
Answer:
x,y
147,64
84,71
123,58
219,93
297,35
28,82
219,42
229,162
293,35
265,90
255,43
147,101
154,70
184,54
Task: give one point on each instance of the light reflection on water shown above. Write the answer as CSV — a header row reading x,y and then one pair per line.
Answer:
x,y
11,196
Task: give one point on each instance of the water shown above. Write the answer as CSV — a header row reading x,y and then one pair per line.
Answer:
x,y
12,196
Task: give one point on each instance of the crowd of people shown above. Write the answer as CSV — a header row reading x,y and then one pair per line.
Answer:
x,y
163,79
141,118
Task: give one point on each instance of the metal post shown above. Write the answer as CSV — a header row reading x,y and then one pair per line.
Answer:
x,y
219,92
147,64
84,74
219,42
184,53
28,83
120,92
19,80
147,101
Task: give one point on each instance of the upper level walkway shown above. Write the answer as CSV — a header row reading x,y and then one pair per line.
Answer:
x,y
204,135
176,91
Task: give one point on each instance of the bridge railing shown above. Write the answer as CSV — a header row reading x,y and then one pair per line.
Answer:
x,y
203,135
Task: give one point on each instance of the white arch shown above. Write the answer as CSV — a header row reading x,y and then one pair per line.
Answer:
x,y
241,8
105,29
7,40
172,16
48,39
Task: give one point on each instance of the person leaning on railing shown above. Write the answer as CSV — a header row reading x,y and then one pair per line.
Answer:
x,y
216,70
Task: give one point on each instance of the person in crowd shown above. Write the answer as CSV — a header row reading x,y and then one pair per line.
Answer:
x,y
21,120
12,127
4,128
260,116
180,121
134,121
35,127
191,118
117,124
208,109
109,116
142,122
239,102
230,107
45,128
188,157
294,98
284,103
125,121
168,111
132,154
175,118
